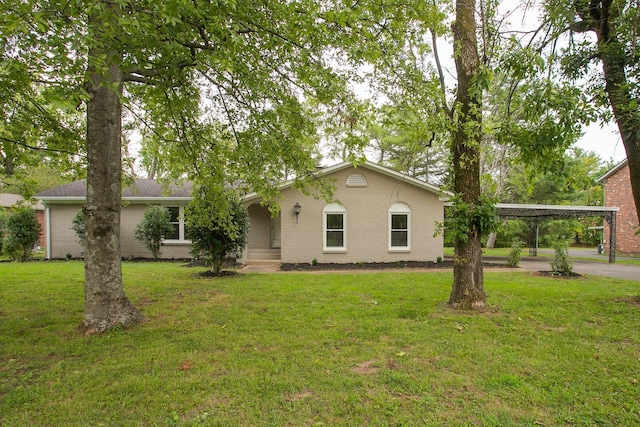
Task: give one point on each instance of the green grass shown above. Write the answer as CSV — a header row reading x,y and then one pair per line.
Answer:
x,y
301,349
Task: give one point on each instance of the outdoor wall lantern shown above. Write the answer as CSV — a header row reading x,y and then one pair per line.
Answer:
x,y
296,209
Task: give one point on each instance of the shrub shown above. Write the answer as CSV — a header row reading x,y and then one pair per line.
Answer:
x,y
513,260
23,231
4,216
561,263
155,224
11,247
218,226
77,225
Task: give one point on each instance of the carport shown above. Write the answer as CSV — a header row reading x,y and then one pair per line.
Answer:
x,y
538,213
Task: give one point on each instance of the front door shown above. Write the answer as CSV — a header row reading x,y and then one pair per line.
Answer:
x,y
275,233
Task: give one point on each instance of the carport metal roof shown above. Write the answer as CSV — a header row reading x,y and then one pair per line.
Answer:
x,y
510,211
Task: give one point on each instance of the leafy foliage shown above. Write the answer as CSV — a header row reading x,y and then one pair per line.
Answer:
x,y
403,141
599,56
218,226
561,262
4,217
573,181
222,92
513,259
462,217
23,232
78,226
155,224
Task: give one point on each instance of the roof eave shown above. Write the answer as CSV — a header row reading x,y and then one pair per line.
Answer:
x,y
82,199
612,171
442,195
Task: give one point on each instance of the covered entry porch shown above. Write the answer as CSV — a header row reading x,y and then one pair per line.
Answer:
x,y
264,242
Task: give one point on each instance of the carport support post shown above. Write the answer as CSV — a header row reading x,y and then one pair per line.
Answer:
x,y
533,250
611,220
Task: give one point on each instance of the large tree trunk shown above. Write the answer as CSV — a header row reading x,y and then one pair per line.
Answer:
x,y
106,305
468,281
613,56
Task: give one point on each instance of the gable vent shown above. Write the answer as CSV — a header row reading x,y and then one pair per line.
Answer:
x,y
357,180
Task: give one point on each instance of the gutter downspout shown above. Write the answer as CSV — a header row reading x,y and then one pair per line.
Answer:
x,y
47,225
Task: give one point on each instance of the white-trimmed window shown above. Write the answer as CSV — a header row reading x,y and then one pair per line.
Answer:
x,y
177,221
335,228
399,227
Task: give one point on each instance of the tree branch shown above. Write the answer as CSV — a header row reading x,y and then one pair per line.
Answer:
x,y
443,88
31,147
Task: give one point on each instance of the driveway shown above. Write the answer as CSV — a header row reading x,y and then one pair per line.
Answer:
x,y
619,271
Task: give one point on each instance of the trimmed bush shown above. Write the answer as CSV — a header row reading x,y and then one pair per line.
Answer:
x,y
23,231
218,226
155,224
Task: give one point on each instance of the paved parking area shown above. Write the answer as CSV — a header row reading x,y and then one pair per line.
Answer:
x,y
619,271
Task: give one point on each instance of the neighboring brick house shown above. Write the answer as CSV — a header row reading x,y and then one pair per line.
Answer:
x,y
7,201
617,192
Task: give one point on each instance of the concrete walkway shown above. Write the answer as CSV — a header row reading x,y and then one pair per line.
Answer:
x,y
261,266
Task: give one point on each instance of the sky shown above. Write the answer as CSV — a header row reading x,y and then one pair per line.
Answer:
x,y
605,141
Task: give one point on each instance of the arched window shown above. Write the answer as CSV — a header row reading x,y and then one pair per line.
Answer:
x,y
335,227
399,227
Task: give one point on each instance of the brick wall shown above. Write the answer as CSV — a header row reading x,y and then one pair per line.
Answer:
x,y
40,215
617,192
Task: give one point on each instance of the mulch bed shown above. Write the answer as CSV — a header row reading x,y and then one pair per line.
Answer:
x,y
375,266
633,300
223,273
571,275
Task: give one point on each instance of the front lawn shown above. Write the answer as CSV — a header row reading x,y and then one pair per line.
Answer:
x,y
332,349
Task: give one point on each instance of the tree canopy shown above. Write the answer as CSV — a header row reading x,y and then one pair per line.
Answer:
x,y
593,44
222,92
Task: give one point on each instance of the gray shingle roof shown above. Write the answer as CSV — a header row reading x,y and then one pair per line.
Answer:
x,y
142,188
8,200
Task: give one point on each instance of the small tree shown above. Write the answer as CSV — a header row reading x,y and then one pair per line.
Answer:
x,y
513,260
77,225
4,217
218,226
23,232
561,264
155,224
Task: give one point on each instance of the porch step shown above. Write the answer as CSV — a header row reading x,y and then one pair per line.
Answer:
x,y
265,254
